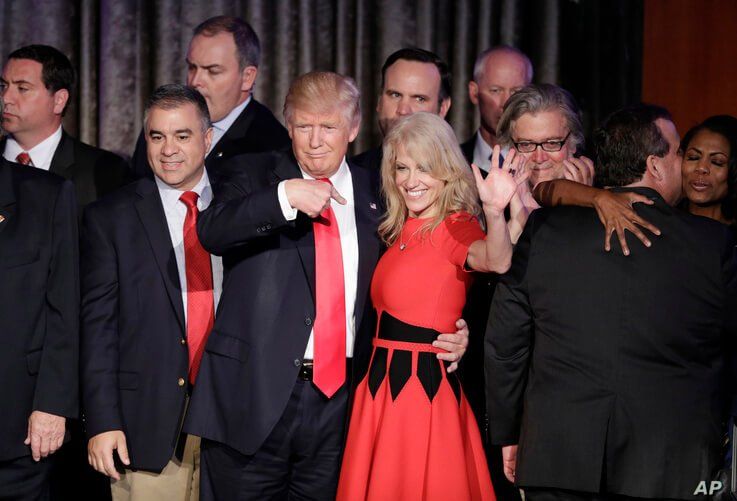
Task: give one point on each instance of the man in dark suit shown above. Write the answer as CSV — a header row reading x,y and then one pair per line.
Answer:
x,y
272,395
149,292
39,308
412,80
498,73
606,370
37,81
223,60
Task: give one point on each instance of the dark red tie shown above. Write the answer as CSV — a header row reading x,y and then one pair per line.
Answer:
x,y
24,158
200,307
330,322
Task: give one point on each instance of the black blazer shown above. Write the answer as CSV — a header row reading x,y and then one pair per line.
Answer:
x,y
256,130
468,147
93,171
134,350
39,301
607,368
370,159
267,307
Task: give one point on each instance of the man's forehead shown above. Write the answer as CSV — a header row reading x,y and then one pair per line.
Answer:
x,y
211,49
506,65
318,114
550,123
421,75
23,69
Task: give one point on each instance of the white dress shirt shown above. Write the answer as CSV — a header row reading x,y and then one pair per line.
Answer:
x,y
220,127
482,153
41,154
175,212
346,216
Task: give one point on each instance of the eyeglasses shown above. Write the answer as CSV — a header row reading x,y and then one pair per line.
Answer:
x,y
550,146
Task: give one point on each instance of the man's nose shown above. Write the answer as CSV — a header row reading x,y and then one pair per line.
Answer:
x,y
404,108
539,155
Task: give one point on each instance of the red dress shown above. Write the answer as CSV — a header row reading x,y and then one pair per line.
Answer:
x,y
412,434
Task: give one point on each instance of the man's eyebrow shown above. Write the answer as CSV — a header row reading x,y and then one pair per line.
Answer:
x,y
207,67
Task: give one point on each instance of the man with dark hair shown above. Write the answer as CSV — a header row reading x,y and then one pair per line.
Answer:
x,y
39,319
412,80
222,62
36,86
608,370
149,294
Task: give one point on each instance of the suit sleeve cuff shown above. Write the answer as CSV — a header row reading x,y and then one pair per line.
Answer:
x,y
290,213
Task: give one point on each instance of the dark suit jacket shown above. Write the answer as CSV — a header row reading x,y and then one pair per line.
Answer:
x,y
607,368
134,348
468,147
39,301
370,159
267,307
255,130
94,172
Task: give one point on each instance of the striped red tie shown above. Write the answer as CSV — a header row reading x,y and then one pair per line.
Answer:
x,y
200,306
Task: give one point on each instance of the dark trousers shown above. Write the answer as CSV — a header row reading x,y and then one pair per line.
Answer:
x,y
24,479
299,460
542,494
72,476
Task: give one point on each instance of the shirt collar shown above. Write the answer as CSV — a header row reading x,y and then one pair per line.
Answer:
x,y
226,122
41,154
170,196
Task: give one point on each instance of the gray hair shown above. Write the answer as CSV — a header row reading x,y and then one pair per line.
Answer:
x,y
478,66
536,99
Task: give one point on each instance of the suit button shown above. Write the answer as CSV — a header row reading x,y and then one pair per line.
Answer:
x,y
268,226
220,154
308,321
297,362
180,382
183,341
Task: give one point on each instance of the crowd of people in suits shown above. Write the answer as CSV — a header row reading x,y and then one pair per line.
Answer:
x,y
242,312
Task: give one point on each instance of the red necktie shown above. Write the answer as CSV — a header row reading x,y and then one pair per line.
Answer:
x,y
200,308
329,328
24,158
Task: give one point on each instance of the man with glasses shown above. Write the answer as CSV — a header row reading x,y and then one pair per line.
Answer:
x,y
543,123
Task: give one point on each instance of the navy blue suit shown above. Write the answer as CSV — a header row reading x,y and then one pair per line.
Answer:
x,y
39,306
266,312
134,356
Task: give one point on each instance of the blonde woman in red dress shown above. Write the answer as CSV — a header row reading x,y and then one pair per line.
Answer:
x,y
412,434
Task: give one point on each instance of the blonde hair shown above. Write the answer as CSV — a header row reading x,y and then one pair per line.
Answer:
x,y
430,141
323,92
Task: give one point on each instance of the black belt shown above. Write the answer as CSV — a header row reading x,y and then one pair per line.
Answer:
x,y
306,369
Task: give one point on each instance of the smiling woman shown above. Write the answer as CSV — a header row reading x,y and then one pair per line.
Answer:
x,y
412,432
710,169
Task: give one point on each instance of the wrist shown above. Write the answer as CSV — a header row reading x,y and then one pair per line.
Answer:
x,y
491,211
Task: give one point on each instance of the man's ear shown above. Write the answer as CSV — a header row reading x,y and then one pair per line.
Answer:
x,y
473,92
61,97
444,107
654,167
248,75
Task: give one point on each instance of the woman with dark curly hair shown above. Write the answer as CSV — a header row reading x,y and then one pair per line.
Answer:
x,y
710,169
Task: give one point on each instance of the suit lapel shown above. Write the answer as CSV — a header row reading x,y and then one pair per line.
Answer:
x,y
63,159
368,213
151,213
301,235
235,132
